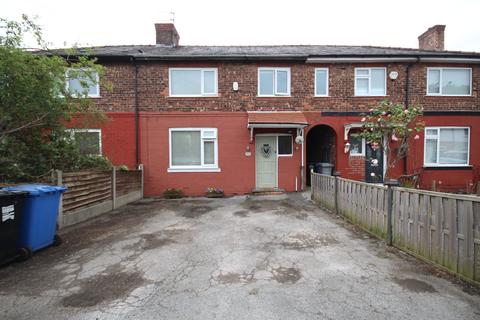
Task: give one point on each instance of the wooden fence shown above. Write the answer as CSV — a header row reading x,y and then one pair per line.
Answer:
x,y
91,193
438,227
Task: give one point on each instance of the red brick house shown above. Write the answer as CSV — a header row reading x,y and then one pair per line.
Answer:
x,y
256,117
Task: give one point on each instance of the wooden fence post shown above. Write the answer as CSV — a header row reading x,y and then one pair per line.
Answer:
x,y
336,174
390,184
114,188
59,182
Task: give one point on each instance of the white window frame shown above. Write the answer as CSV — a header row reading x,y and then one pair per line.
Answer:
x,y
99,131
275,92
278,150
97,80
441,82
437,164
327,82
202,80
200,168
369,78
363,146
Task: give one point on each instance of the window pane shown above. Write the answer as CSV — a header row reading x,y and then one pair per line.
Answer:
x,y
431,151
356,144
453,146
434,81
266,82
284,145
431,132
321,82
362,87
209,152
82,81
209,82
186,82
362,72
378,82
88,142
282,82
186,148
455,81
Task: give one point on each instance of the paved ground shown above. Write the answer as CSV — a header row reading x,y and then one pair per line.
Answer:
x,y
231,258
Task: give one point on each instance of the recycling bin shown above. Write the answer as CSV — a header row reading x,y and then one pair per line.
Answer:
x,y
39,223
324,168
11,210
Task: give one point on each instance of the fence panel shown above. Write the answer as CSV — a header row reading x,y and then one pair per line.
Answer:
x,y
128,181
440,227
86,188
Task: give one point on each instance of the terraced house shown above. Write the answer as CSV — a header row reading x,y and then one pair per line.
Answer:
x,y
258,117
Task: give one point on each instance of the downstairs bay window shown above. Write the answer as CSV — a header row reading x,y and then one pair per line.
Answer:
x,y
193,150
447,146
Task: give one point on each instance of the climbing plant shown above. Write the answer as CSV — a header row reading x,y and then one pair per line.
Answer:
x,y
393,127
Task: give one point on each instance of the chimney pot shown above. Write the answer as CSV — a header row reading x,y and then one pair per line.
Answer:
x,y
433,38
166,35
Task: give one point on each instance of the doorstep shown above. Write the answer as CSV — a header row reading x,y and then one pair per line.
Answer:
x,y
267,191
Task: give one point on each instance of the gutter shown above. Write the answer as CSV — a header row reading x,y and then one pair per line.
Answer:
x,y
413,59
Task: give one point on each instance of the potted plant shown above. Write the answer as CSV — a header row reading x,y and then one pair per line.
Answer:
x,y
172,193
212,192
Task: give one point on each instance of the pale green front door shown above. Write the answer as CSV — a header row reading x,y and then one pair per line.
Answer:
x,y
266,161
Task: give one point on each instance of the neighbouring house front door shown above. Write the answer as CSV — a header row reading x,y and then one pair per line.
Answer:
x,y
373,164
266,161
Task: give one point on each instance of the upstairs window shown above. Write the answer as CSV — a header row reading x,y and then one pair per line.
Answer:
x,y
193,149
193,82
370,82
321,82
89,141
273,82
447,146
449,81
81,82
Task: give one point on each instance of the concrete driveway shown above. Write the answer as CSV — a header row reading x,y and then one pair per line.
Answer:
x,y
236,258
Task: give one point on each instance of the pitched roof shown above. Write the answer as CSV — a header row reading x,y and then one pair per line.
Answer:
x,y
287,52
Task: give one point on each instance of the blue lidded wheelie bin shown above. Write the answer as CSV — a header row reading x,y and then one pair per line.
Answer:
x,y
40,211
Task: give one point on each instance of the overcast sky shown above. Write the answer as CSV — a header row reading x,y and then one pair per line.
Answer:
x,y
254,22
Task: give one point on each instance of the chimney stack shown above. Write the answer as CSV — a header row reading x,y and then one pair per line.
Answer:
x,y
166,35
433,38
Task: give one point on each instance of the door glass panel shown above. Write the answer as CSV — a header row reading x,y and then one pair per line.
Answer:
x,y
284,145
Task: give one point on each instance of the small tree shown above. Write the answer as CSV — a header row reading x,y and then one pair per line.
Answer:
x,y
35,104
393,127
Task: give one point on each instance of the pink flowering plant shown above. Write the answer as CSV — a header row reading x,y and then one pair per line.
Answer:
x,y
399,124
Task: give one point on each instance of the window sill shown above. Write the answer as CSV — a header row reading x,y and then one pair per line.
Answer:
x,y
180,97
282,96
448,167
371,96
450,95
194,170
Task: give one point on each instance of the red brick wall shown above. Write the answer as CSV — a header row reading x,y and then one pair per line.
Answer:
x,y
153,88
237,175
